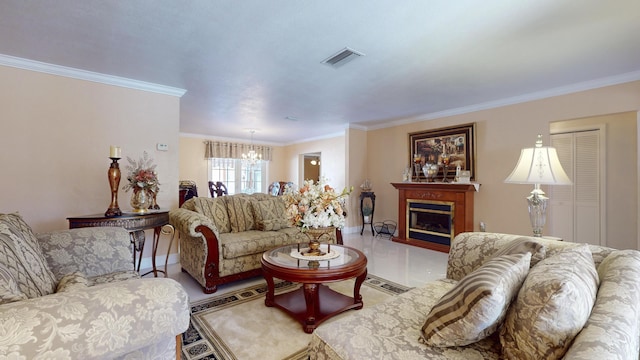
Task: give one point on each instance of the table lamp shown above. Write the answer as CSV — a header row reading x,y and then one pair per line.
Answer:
x,y
539,166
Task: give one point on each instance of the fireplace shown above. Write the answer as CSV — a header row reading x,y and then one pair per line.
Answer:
x,y
430,221
430,215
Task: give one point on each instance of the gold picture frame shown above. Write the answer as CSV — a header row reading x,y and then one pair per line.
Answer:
x,y
458,142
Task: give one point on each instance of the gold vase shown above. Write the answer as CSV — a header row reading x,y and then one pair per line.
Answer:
x,y
315,235
140,200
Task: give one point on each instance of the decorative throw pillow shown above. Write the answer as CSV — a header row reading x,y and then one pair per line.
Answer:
x,y
552,306
270,215
477,305
523,245
240,209
21,255
9,291
616,303
72,281
215,209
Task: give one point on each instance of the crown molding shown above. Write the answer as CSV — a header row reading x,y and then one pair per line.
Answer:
x,y
58,70
316,138
558,91
300,141
356,126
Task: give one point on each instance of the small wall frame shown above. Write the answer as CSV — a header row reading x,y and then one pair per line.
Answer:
x,y
457,141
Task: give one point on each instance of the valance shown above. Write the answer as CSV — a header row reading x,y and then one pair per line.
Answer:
x,y
229,150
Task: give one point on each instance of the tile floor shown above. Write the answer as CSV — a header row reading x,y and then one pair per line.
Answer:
x,y
404,264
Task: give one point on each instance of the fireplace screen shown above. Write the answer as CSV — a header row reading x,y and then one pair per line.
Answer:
x,y
430,221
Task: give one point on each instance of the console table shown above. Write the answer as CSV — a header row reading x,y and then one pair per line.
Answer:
x,y
136,224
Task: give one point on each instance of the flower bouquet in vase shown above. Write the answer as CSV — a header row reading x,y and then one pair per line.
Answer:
x,y
317,209
143,180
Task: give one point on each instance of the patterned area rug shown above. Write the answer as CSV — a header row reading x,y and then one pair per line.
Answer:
x,y
238,326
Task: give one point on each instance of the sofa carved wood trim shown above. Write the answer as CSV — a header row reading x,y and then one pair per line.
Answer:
x,y
212,274
196,224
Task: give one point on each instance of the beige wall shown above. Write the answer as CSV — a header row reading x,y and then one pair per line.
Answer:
x,y
332,152
501,133
194,166
278,170
381,156
357,173
286,164
620,189
56,133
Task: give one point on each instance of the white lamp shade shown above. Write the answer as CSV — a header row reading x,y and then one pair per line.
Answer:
x,y
539,165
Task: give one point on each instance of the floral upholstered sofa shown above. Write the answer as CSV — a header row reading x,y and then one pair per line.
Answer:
x,y
505,297
222,239
73,294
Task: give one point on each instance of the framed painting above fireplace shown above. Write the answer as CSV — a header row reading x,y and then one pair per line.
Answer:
x,y
457,141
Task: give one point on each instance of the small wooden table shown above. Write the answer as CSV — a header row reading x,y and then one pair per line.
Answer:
x,y
314,302
136,224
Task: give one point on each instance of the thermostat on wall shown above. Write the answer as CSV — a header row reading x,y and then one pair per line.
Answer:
x,y
162,147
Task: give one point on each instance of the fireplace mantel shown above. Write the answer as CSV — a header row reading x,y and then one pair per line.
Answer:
x,y
458,195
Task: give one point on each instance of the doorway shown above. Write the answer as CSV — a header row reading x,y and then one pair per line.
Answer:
x,y
311,163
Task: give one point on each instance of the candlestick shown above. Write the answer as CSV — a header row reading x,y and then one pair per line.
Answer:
x,y
115,152
113,174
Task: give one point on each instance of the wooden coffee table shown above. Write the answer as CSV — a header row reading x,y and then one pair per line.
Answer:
x,y
314,302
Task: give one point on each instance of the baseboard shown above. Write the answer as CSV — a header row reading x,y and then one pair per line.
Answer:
x,y
350,230
367,230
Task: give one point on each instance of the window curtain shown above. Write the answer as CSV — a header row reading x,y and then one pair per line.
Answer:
x,y
228,150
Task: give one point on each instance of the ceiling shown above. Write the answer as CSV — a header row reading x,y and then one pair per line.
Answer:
x,y
256,64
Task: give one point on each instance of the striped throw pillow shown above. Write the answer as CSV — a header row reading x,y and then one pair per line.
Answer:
x,y
477,305
522,245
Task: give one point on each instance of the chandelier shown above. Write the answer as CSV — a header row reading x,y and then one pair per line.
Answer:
x,y
252,157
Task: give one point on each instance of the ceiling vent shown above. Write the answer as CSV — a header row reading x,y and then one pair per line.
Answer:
x,y
342,57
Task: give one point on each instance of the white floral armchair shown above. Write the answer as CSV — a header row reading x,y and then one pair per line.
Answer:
x,y
73,294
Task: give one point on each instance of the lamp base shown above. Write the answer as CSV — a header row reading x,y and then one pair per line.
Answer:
x,y
537,210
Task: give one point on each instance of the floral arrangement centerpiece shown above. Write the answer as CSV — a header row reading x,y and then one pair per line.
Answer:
x,y
316,206
143,180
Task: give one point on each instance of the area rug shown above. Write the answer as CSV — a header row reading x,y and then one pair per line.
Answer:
x,y
238,326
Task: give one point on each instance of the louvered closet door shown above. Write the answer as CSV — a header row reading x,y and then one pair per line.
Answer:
x,y
575,211
560,213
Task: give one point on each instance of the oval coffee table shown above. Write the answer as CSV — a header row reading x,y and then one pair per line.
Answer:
x,y
314,302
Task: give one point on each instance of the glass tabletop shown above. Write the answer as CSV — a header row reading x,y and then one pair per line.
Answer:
x,y
282,256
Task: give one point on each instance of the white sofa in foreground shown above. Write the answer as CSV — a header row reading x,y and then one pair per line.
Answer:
x,y
570,301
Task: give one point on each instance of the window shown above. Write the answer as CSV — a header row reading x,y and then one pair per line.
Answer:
x,y
238,176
